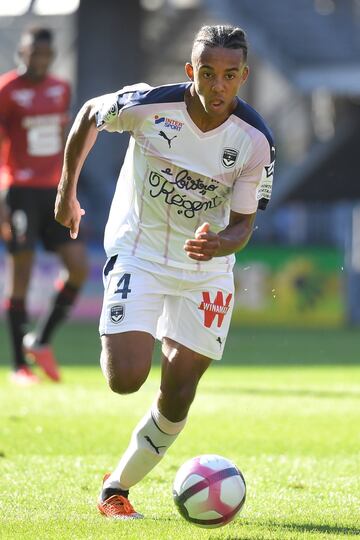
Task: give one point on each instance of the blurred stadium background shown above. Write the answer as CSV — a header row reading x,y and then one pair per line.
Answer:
x,y
302,267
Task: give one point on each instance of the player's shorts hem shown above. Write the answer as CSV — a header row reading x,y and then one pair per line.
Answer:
x,y
123,329
193,347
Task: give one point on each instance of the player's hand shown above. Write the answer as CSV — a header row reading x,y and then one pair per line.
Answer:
x,y
68,213
204,246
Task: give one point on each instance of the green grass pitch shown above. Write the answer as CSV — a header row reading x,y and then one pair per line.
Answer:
x,y
283,405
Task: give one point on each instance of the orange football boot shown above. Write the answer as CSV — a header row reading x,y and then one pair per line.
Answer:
x,y
43,356
117,506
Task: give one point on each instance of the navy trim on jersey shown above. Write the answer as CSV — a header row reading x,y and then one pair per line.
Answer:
x,y
250,116
171,93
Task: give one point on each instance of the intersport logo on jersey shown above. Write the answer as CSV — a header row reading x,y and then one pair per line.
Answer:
x,y
175,125
218,308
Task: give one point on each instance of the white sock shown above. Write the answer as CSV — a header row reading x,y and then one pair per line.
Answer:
x,y
149,441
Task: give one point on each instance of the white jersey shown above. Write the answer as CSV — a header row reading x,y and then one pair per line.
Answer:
x,y
175,177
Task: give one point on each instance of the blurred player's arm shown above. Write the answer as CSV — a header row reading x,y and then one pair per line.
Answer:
x,y
5,226
234,237
81,139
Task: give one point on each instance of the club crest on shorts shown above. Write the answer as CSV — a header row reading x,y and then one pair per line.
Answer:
x,y
117,313
229,157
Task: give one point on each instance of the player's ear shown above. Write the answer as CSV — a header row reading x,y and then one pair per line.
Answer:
x,y
18,54
244,74
189,70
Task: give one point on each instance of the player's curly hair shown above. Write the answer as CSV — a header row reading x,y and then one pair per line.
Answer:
x,y
227,36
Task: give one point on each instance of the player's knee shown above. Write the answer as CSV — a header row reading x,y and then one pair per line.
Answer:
x,y
124,383
122,377
78,273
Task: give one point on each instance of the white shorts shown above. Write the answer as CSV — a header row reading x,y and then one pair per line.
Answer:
x,y
193,308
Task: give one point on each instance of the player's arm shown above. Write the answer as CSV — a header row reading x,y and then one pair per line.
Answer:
x,y
81,139
5,226
234,237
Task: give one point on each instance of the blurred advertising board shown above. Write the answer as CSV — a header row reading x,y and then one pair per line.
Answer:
x,y
274,286
292,286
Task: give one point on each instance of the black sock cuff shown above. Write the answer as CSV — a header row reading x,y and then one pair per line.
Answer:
x,y
109,492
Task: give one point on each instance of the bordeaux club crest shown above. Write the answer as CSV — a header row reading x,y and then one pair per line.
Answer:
x,y
117,313
229,157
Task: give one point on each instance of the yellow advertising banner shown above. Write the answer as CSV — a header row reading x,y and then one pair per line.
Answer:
x,y
289,286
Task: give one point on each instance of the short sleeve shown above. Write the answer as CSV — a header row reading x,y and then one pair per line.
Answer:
x,y
107,113
115,112
252,189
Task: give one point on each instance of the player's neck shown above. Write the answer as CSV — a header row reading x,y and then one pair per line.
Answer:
x,y
31,76
204,121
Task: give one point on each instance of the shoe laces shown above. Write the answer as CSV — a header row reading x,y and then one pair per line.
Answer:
x,y
121,503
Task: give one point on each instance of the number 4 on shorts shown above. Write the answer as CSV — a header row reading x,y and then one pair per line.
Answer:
x,y
122,285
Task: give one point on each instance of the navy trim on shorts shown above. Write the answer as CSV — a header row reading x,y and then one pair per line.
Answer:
x,y
110,265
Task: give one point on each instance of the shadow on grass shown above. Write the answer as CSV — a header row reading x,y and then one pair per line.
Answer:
x,y
298,527
282,392
329,529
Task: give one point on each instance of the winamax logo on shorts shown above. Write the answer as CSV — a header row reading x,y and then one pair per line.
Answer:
x,y
218,308
168,122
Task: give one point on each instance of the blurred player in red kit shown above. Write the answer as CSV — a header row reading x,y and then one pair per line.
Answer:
x,y
33,118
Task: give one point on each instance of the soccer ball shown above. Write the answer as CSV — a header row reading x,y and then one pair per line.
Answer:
x,y
209,491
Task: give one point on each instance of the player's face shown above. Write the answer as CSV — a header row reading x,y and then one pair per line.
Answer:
x,y
218,74
37,58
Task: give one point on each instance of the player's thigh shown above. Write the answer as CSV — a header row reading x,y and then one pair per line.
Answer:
x,y
133,298
133,302
24,219
200,318
126,359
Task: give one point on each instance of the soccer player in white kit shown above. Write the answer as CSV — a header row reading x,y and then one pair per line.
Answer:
x,y
199,164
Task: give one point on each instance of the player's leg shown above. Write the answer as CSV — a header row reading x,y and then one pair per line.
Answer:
x,y
73,256
125,362
182,369
194,327
74,260
19,262
19,267
74,271
133,302
182,323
